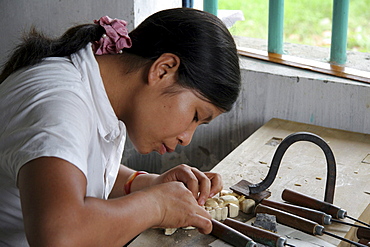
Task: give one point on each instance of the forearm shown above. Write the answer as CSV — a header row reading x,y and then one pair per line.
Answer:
x,y
143,181
56,211
117,221
96,222
139,183
118,188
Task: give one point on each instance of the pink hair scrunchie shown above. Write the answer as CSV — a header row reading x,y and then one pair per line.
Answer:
x,y
115,38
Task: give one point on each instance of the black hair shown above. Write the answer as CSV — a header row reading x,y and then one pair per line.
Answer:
x,y
36,46
208,58
209,63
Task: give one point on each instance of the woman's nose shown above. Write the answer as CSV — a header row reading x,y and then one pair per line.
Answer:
x,y
186,136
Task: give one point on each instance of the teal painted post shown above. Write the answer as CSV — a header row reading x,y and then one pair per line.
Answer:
x,y
276,26
338,49
210,6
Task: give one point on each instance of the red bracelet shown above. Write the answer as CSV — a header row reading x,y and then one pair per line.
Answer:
x,y
127,186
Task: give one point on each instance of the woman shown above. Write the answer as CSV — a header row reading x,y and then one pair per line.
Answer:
x,y
65,108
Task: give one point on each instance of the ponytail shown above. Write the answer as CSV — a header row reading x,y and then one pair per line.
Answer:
x,y
36,46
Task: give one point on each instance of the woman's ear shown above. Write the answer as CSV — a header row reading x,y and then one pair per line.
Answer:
x,y
164,69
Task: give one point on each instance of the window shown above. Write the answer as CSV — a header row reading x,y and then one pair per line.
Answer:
x,y
309,23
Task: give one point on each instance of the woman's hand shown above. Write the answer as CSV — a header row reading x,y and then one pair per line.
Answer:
x,y
202,185
177,207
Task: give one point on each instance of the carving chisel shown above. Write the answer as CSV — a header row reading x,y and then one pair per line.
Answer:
x,y
311,214
364,241
300,223
231,236
257,234
313,203
363,233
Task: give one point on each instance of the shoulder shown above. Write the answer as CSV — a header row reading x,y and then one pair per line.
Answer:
x,y
51,77
46,111
48,98
54,71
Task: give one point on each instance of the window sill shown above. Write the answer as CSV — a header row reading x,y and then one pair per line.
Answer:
x,y
357,66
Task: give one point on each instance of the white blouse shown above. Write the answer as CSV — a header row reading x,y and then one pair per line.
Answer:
x,y
57,108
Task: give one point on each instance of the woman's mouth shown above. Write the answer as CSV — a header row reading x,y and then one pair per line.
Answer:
x,y
164,149
169,150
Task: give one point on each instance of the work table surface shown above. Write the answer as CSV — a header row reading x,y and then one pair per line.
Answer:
x,y
303,169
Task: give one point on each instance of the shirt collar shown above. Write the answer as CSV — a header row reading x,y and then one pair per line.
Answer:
x,y
109,126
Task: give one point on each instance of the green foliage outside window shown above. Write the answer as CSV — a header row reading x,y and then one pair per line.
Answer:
x,y
305,21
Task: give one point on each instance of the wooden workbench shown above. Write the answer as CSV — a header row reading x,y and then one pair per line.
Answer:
x,y
303,169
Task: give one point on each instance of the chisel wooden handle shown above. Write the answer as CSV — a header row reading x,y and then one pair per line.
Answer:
x,y
313,203
364,241
297,222
231,236
307,213
257,234
363,233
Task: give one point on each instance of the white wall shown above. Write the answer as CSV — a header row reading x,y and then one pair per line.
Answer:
x,y
144,8
53,17
278,91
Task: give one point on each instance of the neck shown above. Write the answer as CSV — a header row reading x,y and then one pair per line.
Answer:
x,y
120,86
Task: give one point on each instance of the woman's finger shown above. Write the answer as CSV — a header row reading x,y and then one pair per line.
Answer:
x,y
204,186
216,183
204,224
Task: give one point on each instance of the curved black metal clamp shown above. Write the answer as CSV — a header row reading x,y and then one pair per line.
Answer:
x,y
258,191
280,151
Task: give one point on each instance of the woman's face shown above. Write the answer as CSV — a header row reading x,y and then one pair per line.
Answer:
x,y
160,121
